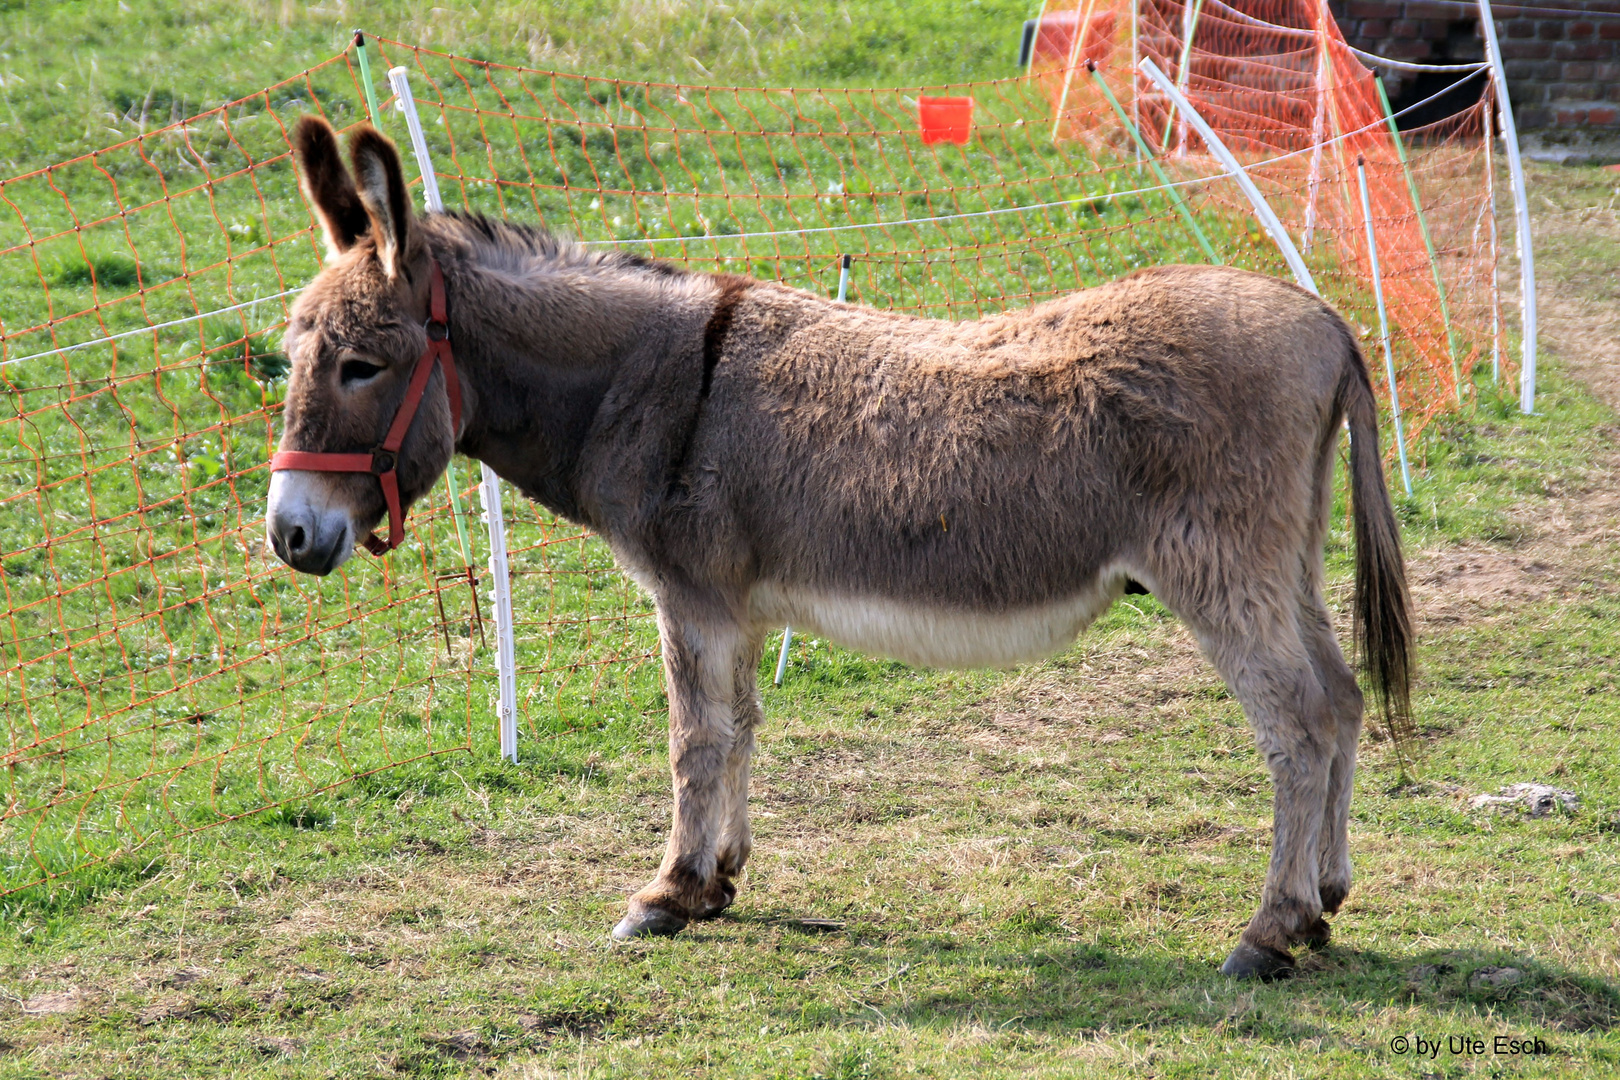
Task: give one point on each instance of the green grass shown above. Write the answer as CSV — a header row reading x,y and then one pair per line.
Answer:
x,y
1035,872
80,75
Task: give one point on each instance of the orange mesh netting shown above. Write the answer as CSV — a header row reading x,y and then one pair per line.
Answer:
x,y
161,672
1281,88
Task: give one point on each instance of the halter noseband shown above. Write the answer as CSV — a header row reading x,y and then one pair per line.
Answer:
x,y
382,460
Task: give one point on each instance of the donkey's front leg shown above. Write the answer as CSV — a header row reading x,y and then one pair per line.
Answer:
x,y
736,839
701,645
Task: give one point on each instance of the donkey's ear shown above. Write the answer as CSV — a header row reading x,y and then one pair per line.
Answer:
x,y
328,186
382,190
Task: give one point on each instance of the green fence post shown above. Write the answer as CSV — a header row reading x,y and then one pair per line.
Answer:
x,y
787,631
1142,148
1423,227
1189,30
365,77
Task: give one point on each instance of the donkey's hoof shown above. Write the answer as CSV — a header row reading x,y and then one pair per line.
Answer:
x,y
1258,962
647,922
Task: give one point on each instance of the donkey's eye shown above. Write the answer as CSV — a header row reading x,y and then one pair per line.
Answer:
x,y
354,371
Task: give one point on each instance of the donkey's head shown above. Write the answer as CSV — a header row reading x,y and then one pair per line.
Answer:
x,y
356,336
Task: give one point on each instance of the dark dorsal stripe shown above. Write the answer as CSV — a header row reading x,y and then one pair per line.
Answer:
x,y
732,287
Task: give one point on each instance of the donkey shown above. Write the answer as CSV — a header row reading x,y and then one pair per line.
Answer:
x,y
948,494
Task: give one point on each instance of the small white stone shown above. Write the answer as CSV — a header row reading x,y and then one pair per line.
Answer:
x,y
1539,799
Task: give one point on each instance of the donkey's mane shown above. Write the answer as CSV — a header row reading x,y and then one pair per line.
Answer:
x,y
498,237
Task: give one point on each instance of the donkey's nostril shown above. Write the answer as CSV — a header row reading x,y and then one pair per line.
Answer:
x,y
297,539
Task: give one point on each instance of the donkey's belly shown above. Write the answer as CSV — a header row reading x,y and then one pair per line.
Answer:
x,y
935,636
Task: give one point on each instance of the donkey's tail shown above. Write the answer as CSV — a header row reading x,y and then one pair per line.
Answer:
x,y
1383,617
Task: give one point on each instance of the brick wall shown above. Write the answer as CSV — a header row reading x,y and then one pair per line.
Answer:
x,y
1563,67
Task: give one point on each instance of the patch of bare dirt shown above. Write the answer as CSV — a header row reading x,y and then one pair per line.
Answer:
x,y
171,980
1587,336
55,1003
1452,584
464,1045
1573,542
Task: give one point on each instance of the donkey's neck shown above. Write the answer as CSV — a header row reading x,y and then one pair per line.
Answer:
x,y
542,337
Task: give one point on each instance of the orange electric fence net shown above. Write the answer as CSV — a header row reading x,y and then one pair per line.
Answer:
x,y
162,673
1281,88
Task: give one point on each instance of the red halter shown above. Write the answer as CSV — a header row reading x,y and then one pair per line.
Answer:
x,y
381,461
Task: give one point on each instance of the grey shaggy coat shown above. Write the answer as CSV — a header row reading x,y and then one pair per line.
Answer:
x,y
954,494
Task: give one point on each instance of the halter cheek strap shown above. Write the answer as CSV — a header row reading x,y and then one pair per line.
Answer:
x,y
383,459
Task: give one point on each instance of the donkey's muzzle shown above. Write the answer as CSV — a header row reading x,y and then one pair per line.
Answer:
x,y
305,542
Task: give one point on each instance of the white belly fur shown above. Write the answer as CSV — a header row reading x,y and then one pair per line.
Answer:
x,y
932,636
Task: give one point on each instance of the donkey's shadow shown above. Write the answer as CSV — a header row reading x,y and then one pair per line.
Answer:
x,y
1067,987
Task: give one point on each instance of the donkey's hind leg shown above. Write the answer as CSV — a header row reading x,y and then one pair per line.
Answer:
x,y
702,646
1269,669
1345,700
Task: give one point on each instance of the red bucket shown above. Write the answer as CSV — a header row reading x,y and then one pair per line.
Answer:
x,y
945,119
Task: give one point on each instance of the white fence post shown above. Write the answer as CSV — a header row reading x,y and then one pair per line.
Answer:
x,y
1383,323
505,651
1496,285
1317,124
1075,51
1521,206
1136,97
490,488
782,657
1262,209
399,80
787,631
